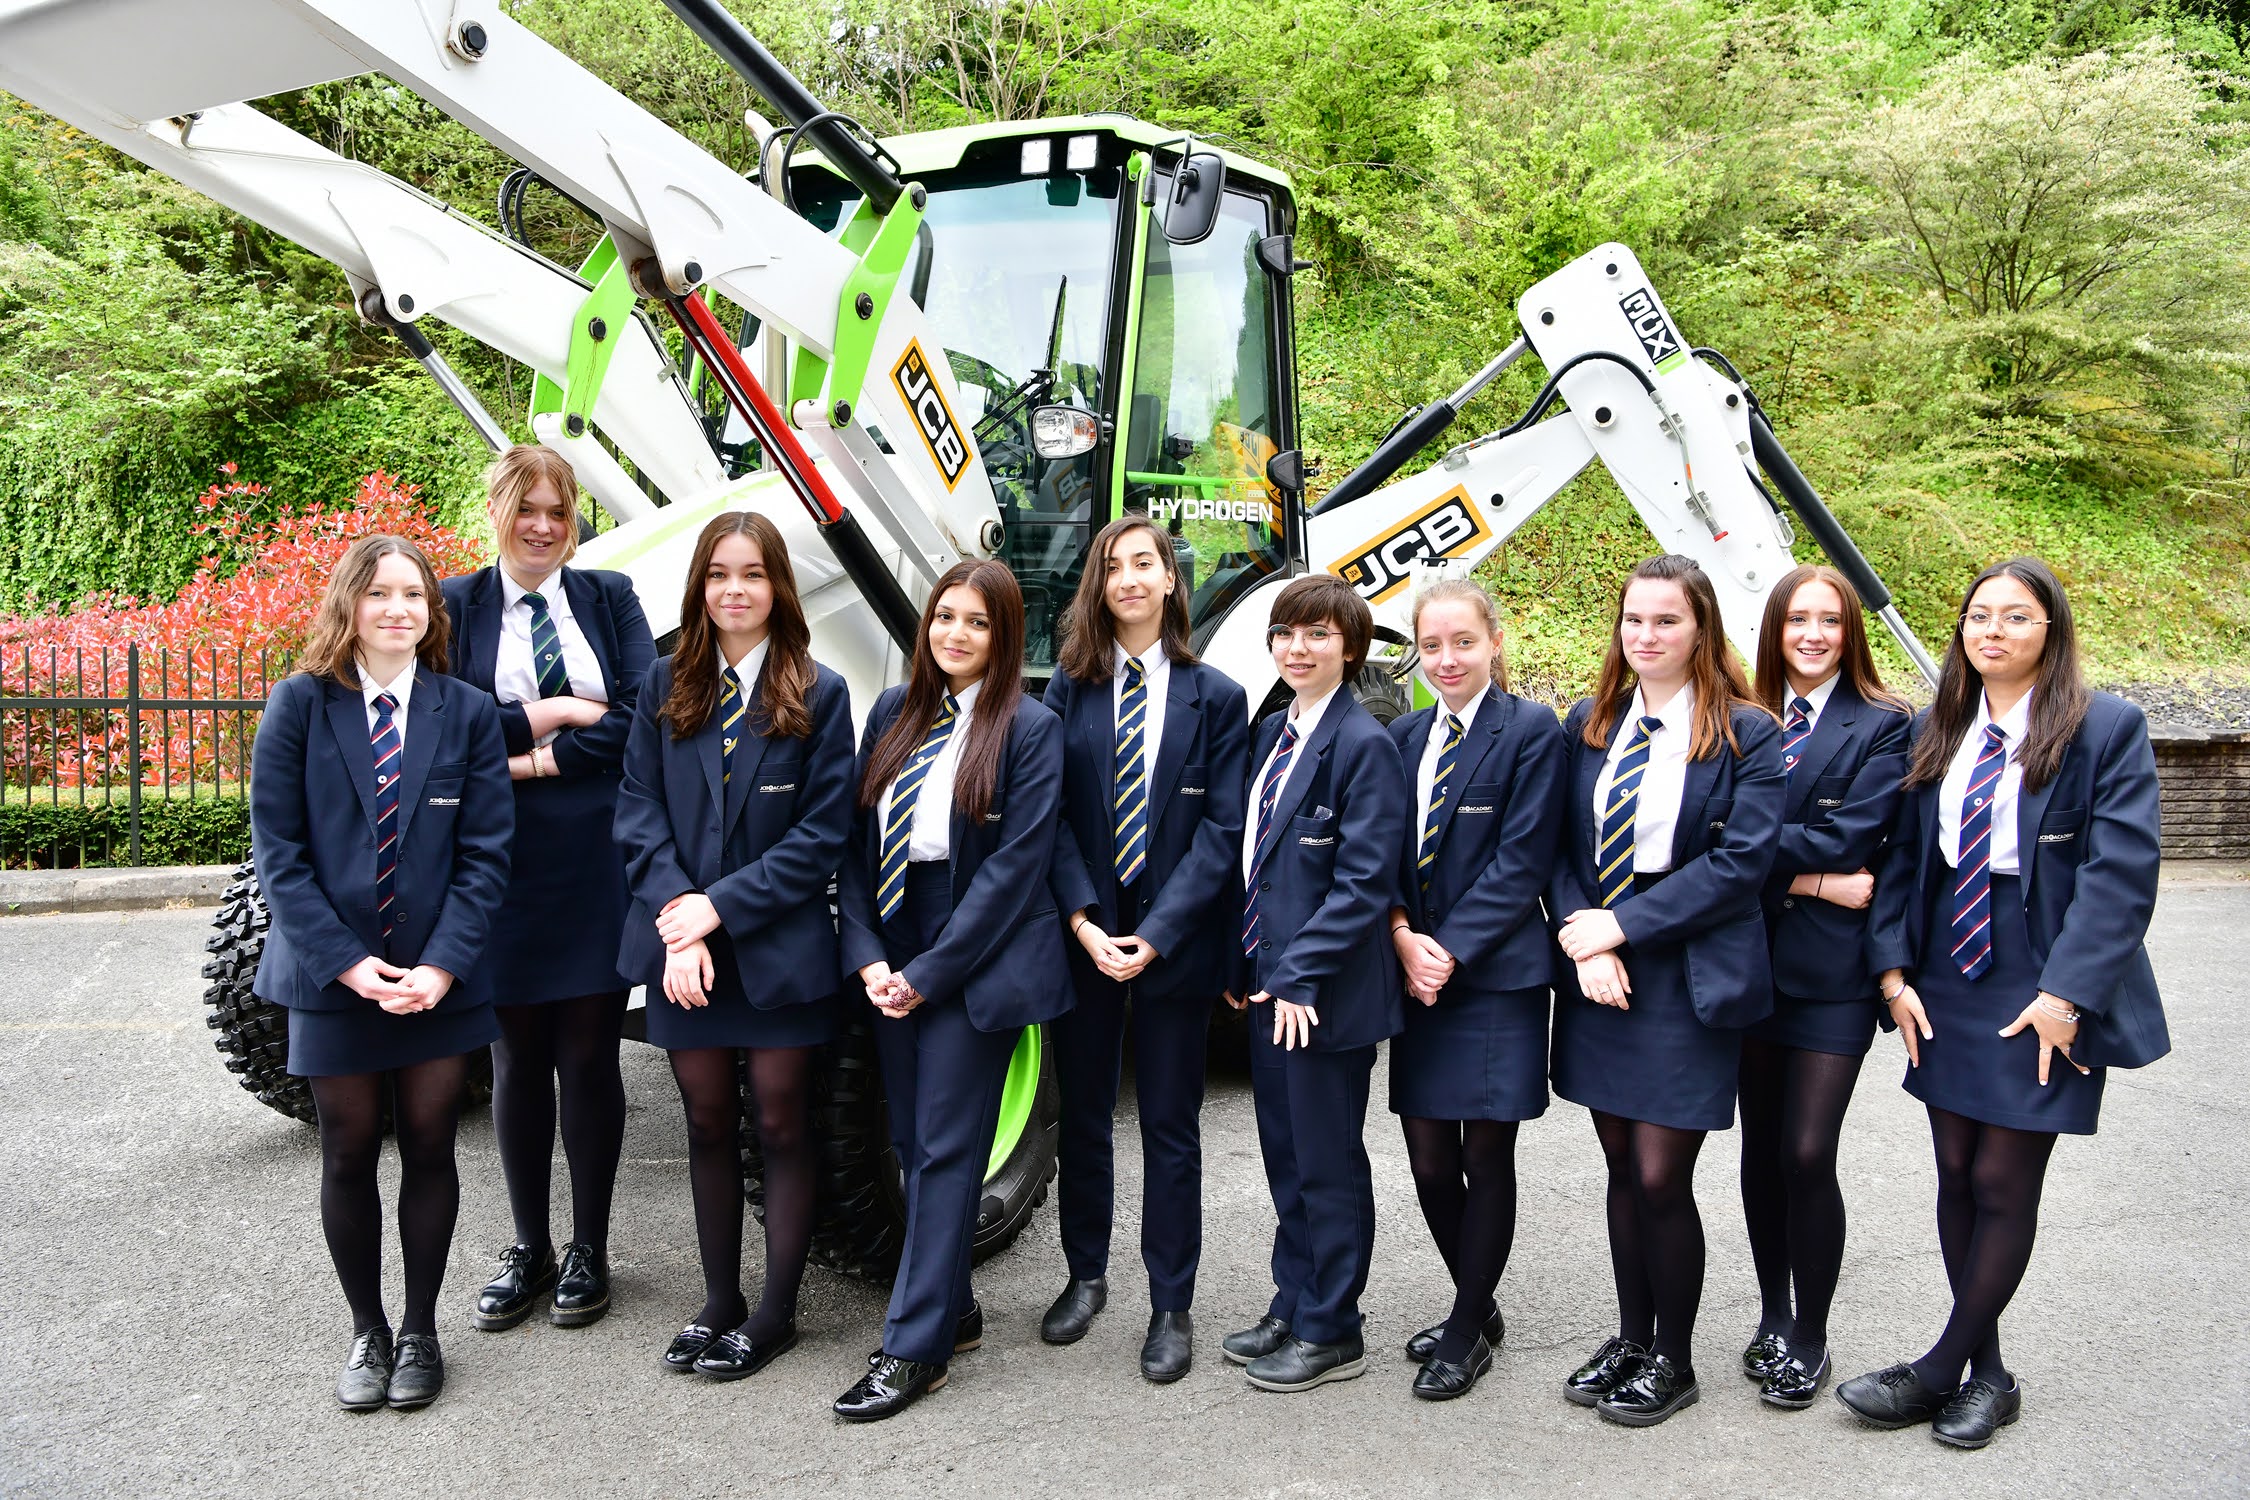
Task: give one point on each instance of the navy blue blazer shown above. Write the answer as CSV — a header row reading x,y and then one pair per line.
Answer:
x,y
1841,804
312,831
1330,879
607,612
762,845
1002,949
1498,829
2089,842
1722,846
1194,827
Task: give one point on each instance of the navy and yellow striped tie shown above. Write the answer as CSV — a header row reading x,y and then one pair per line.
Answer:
x,y
546,650
898,828
1131,803
1613,857
731,709
1447,754
1276,775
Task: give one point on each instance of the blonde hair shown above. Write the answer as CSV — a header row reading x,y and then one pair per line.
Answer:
x,y
1445,589
331,646
512,478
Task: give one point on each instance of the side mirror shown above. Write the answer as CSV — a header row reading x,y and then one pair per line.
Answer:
x,y
1191,209
1063,431
1286,470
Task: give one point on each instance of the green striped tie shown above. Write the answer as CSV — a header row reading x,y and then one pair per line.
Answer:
x,y
1438,784
890,885
1131,803
546,650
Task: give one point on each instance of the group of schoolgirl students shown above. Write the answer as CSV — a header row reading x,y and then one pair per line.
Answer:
x,y
485,809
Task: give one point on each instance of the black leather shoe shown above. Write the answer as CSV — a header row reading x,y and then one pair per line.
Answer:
x,y
1762,1354
513,1293
1073,1312
581,1287
419,1374
1422,1348
366,1382
687,1347
1442,1380
967,1334
1790,1385
887,1389
1657,1389
1256,1342
1894,1397
1610,1367
1169,1349
730,1356
1977,1411
1301,1364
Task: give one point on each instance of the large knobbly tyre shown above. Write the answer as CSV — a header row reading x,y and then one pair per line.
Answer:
x,y
252,1035
861,1218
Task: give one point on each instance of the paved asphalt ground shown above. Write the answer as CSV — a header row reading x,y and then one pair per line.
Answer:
x,y
169,1324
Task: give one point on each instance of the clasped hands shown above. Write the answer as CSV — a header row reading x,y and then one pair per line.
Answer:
x,y
1120,959
1589,939
402,992
889,990
683,924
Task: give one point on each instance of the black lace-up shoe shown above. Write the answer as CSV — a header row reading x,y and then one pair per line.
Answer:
x,y
889,1387
1893,1397
1611,1366
515,1289
419,1374
581,1287
1657,1389
1977,1411
366,1382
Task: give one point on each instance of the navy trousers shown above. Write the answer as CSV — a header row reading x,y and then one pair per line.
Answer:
x,y
1169,1042
1312,1115
942,1079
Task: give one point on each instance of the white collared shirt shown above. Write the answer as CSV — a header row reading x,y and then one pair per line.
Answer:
x,y
1156,673
1425,778
515,676
1657,810
402,690
2015,724
932,833
1818,698
1306,723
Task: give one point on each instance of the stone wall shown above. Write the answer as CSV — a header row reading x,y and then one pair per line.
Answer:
x,y
2206,776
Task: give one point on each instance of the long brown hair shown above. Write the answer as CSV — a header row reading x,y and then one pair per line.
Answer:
x,y
1090,634
1859,661
782,704
514,475
1721,686
2059,698
333,642
1469,593
979,768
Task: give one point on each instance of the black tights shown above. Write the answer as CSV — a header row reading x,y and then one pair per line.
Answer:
x,y
426,1104
1465,1175
711,1089
1793,1104
1655,1233
575,1041
1989,1180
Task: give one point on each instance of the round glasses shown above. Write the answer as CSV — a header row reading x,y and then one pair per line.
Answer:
x,y
2011,622
1314,636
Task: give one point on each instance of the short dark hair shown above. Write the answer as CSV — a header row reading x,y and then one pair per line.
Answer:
x,y
1324,599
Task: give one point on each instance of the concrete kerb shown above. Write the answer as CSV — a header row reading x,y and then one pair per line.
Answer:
x,y
38,893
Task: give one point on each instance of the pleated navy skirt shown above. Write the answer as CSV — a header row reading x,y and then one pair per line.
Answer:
x,y
368,1039
1472,1056
1968,1068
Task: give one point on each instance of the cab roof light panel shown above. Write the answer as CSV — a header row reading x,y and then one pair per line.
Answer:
x,y
1038,157
1082,153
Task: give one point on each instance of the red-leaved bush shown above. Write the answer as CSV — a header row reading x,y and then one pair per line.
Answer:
x,y
228,635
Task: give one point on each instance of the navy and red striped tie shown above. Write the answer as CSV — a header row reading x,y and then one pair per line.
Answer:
x,y
1972,873
1267,796
1794,733
386,744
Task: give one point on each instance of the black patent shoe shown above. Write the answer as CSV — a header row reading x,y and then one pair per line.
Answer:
x,y
365,1383
731,1356
1792,1386
514,1291
1762,1354
1442,1379
1894,1397
1169,1349
1073,1312
1611,1366
889,1387
581,1287
419,1373
687,1347
1977,1411
1255,1342
967,1334
1301,1364
1422,1348
1657,1389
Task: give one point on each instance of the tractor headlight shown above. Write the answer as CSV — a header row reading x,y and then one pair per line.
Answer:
x,y
1063,431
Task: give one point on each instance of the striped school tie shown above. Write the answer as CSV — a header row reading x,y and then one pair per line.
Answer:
x,y
890,885
1445,759
1267,795
731,709
546,650
1131,804
1972,885
386,744
1794,733
1614,855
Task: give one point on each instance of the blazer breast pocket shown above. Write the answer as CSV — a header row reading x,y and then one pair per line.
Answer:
x,y
778,778
1194,781
1481,800
1829,793
2062,832
1315,834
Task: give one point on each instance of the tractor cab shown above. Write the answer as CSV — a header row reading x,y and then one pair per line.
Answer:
x,y
1110,367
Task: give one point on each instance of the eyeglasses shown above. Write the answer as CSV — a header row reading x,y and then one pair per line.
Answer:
x,y
2013,622
1311,636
